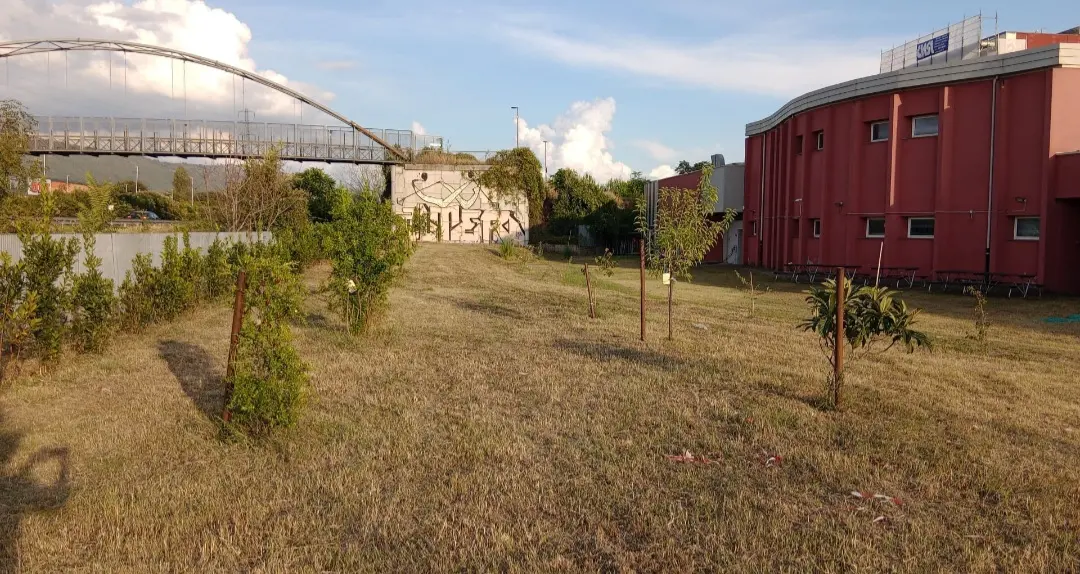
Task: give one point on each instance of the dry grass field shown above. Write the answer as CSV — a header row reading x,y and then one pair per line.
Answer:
x,y
488,424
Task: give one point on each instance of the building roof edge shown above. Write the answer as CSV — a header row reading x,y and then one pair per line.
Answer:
x,y
1055,55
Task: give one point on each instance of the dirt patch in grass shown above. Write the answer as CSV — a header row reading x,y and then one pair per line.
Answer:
x,y
488,424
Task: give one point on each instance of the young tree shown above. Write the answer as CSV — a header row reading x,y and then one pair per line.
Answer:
x,y
872,316
684,231
321,190
182,183
421,222
16,128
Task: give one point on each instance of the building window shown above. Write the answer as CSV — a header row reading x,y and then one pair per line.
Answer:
x,y
819,137
924,126
920,227
817,227
1026,228
879,131
798,145
875,227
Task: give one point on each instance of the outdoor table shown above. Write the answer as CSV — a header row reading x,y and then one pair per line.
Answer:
x,y
1021,282
957,276
902,274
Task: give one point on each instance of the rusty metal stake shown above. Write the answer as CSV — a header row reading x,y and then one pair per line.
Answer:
x,y
838,359
234,340
641,249
588,285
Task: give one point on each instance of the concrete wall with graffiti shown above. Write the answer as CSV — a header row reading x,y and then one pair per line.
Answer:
x,y
462,210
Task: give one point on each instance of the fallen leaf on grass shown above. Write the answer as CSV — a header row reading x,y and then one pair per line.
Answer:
x,y
771,459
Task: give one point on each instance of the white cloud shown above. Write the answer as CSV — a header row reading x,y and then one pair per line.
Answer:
x,y
101,83
661,172
335,65
776,63
418,129
656,150
578,140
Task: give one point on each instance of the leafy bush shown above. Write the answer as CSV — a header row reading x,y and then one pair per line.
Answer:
x,y
367,245
217,277
269,380
47,268
872,315
175,291
302,245
18,312
93,304
138,294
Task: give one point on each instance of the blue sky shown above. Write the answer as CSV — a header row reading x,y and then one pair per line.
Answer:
x,y
672,67
615,85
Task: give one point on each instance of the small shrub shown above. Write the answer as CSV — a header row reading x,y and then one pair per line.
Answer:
x,y
47,267
510,250
93,304
269,378
606,263
979,314
175,292
367,245
138,294
217,275
872,316
301,245
18,312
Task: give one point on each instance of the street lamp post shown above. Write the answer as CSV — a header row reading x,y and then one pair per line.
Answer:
x,y
192,178
517,126
545,158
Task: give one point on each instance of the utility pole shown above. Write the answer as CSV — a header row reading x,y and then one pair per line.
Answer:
x,y
545,158
192,189
517,126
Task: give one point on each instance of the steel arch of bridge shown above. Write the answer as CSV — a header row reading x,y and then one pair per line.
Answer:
x,y
28,47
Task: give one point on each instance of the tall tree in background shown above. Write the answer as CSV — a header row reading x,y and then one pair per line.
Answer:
x,y
181,183
16,128
578,197
322,193
684,167
259,196
684,231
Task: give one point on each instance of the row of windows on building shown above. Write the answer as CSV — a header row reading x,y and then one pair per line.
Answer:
x,y
1024,228
921,127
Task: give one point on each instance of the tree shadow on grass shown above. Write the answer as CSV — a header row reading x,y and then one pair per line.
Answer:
x,y
198,374
21,493
817,401
488,308
607,352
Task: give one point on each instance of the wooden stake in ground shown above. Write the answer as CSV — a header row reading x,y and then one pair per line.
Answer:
x,y
670,306
641,249
234,340
588,286
838,348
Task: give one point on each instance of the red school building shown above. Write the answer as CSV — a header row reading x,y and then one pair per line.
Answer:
x,y
971,165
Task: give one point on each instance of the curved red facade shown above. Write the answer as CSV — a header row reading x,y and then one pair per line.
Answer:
x,y
911,176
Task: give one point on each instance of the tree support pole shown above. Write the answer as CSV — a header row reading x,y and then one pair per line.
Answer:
x,y
234,340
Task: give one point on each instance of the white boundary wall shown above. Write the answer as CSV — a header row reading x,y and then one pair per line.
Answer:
x,y
117,250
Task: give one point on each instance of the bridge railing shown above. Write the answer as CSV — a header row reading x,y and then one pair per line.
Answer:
x,y
145,136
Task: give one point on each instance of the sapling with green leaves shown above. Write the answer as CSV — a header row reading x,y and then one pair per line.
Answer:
x,y
979,314
685,231
873,317
752,289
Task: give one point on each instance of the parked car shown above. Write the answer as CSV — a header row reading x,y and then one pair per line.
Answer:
x,y
144,215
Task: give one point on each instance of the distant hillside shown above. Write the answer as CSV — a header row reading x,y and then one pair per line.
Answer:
x,y
155,174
